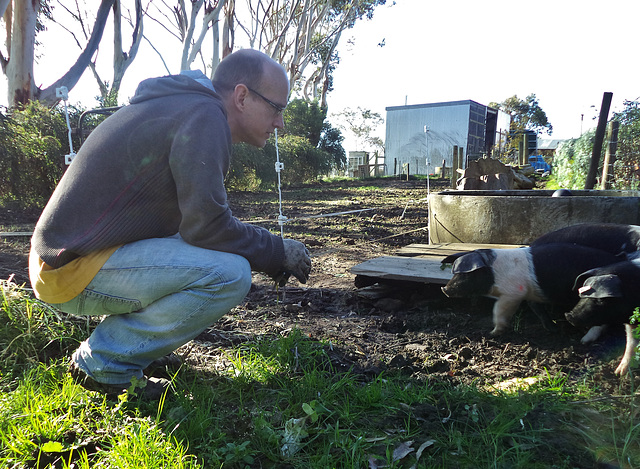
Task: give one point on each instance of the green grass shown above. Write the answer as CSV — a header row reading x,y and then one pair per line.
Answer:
x,y
281,404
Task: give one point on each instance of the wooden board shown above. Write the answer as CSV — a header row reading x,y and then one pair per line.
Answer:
x,y
419,262
446,249
7,234
412,269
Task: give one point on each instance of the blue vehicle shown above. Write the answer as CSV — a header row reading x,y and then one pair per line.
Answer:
x,y
539,164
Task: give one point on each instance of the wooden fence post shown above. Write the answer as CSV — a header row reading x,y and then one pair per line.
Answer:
x,y
610,154
590,182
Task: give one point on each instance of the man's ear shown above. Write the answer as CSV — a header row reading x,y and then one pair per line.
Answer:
x,y
240,93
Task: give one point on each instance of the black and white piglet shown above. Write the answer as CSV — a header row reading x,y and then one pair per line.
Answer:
x,y
619,239
609,295
537,274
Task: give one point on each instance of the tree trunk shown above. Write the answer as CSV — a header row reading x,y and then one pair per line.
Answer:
x,y
122,59
19,70
6,13
228,29
71,77
21,84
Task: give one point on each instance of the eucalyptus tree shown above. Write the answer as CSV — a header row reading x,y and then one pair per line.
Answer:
x,y
78,23
22,23
362,124
190,23
300,34
303,36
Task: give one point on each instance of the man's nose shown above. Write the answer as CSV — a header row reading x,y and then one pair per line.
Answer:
x,y
279,121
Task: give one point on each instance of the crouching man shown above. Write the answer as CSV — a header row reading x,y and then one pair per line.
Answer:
x,y
139,229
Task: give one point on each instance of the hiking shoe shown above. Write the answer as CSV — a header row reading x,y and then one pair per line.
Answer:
x,y
164,367
150,389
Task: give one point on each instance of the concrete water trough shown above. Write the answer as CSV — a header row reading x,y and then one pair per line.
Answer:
x,y
520,216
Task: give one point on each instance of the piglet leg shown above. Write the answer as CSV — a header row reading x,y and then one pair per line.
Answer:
x,y
593,334
503,310
629,350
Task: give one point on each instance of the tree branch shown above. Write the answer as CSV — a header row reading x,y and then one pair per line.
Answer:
x,y
70,79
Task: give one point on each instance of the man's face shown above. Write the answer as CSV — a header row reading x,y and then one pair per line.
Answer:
x,y
264,107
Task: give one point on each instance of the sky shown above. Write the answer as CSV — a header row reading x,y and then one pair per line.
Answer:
x,y
566,52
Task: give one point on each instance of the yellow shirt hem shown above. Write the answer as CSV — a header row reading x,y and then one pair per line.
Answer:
x,y
60,285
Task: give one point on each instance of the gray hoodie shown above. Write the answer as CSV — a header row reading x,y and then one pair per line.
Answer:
x,y
154,168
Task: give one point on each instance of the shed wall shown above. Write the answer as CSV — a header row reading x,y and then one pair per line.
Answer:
x,y
407,142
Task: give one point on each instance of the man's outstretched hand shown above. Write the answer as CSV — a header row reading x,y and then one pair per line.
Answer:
x,y
297,262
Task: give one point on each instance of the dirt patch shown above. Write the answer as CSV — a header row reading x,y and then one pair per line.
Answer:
x,y
408,327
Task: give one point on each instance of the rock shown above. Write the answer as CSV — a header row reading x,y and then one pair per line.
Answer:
x,y
521,181
486,174
496,182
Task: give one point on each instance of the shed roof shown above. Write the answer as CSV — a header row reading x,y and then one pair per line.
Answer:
x,y
428,105
548,143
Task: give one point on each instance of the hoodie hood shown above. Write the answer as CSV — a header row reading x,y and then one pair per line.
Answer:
x,y
188,82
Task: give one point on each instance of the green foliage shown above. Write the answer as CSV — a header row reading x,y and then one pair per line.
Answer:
x,y
304,119
572,159
32,331
46,420
303,162
34,143
331,142
281,402
571,162
249,167
628,151
28,164
308,148
526,114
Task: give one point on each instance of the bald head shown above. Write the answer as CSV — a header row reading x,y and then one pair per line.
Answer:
x,y
255,90
247,66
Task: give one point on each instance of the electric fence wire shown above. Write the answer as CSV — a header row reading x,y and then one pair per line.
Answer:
x,y
279,167
63,93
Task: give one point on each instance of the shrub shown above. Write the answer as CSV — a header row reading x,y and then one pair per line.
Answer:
x,y
571,163
34,143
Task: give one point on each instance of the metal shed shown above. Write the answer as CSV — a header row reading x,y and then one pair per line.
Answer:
x,y
422,136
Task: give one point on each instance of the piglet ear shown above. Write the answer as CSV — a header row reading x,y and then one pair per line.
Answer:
x,y
601,286
452,257
471,261
582,278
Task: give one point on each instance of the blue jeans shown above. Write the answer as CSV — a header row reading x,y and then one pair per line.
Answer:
x,y
157,294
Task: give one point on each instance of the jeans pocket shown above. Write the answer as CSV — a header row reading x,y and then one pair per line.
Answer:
x,y
93,303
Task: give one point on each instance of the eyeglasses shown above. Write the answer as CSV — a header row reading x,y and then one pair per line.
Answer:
x,y
278,109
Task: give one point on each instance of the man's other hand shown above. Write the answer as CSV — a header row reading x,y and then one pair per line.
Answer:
x,y
297,260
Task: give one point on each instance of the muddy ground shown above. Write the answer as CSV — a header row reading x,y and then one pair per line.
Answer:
x,y
403,326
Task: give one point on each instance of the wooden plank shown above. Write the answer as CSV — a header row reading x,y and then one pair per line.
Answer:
x,y
419,262
7,234
413,269
446,249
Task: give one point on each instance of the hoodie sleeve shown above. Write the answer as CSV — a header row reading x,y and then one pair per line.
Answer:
x,y
199,161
